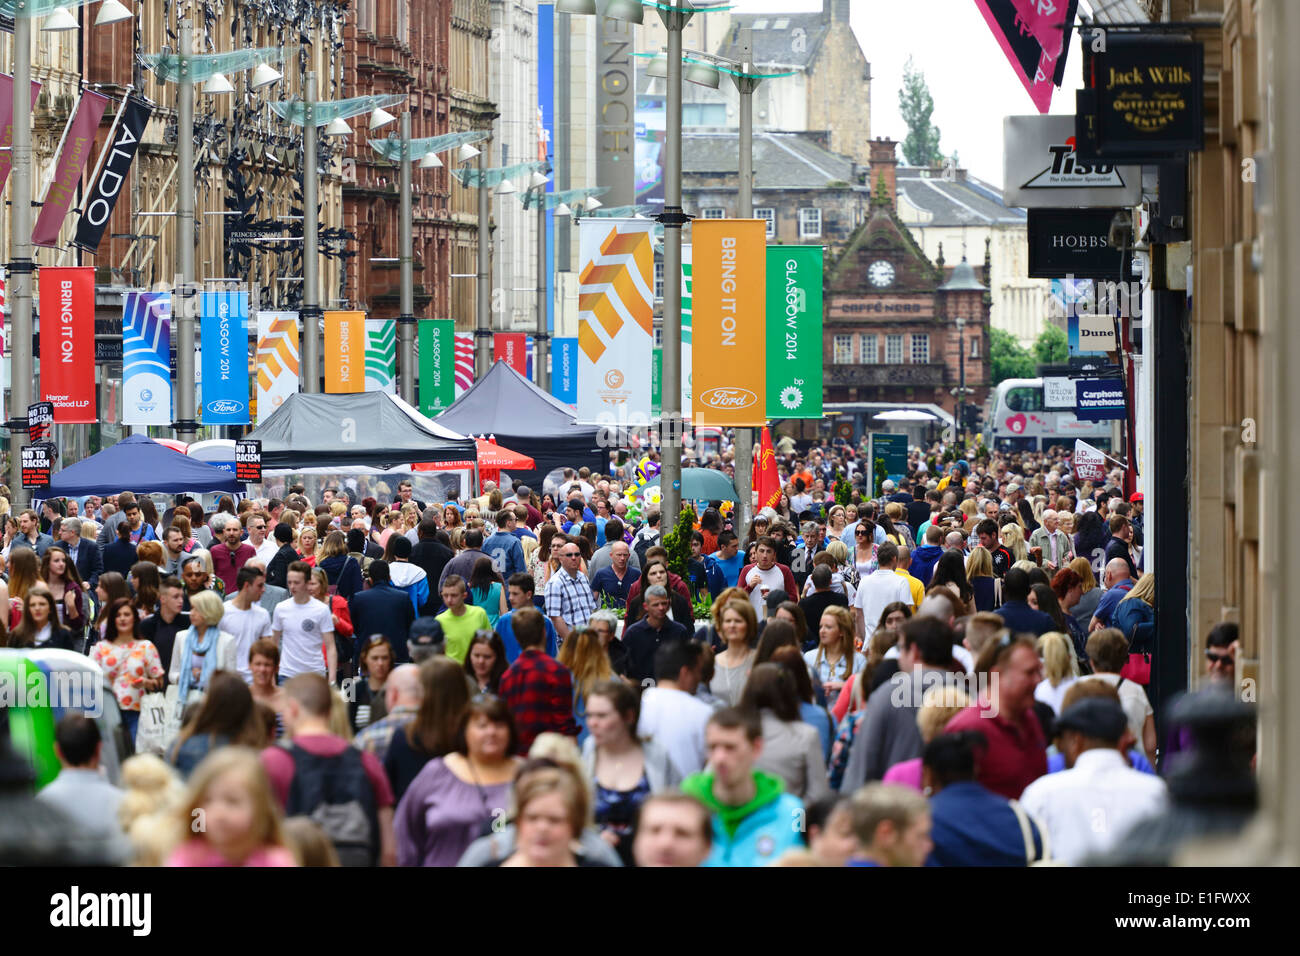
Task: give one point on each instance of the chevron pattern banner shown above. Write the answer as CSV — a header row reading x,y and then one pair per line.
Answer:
x,y
464,362
615,320
277,360
146,369
381,355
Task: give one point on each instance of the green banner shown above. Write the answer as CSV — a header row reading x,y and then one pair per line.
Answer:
x,y
437,344
657,384
794,331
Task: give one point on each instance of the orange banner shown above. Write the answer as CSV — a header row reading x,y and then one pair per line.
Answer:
x,y
345,352
728,308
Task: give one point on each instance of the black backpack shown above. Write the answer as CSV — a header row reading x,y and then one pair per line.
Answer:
x,y
335,793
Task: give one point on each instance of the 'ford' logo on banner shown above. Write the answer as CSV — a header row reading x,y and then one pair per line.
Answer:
x,y
224,406
728,398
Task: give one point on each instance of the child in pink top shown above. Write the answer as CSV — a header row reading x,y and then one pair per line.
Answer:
x,y
230,815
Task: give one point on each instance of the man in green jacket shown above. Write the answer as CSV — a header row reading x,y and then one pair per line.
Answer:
x,y
754,820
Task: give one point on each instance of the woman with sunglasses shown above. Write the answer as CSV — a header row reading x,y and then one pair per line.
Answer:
x,y
454,798
368,700
485,661
864,548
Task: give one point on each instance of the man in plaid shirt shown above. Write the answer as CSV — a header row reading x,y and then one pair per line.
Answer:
x,y
402,695
537,688
569,601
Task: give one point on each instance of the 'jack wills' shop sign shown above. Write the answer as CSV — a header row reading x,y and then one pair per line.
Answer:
x,y
1066,243
1143,98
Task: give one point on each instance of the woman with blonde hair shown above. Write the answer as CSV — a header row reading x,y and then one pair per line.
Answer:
x,y
586,658
1013,537
939,704
1060,669
1083,611
979,572
738,628
835,660
836,521
231,794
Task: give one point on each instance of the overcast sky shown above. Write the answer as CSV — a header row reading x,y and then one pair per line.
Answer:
x,y
970,79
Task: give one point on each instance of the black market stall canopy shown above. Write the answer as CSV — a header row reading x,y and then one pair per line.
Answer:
x,y
145,467
368,429
527,420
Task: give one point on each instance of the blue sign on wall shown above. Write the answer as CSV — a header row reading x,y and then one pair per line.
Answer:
x,y
1099,399
564,370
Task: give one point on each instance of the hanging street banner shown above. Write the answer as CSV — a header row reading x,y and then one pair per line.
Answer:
x,y
146,369
1099,399
794,331
657,384
277,361
464,362
102,197
511,348
687,372
1040,167
61,193
248,460
564,370
615,320
1035,37
1089,462
67,324
381,355
40,422
729,342
345,350
435,341
224,331
7,123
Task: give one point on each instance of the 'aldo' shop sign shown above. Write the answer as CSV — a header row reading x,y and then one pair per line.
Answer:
x,y
1143,98
1075,243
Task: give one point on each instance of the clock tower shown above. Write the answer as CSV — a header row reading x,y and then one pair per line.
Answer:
x,y
891,333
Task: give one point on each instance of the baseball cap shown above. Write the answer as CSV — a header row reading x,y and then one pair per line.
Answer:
x,y
1099,717
1136,496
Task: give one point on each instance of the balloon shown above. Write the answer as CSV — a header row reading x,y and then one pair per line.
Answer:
x,y
646,469
653,496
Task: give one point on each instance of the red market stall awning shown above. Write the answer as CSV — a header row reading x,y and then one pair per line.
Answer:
x,y
491,457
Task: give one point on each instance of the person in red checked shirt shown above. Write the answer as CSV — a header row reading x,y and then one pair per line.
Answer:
x,y
537,688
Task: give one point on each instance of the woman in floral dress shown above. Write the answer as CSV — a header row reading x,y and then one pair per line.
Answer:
x,y
131,663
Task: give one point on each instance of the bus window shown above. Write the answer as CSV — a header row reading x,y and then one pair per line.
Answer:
x,y
1025,399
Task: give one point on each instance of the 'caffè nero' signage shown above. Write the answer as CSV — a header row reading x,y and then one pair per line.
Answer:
x,y
1143,98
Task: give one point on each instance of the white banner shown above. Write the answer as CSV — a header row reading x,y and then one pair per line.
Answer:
x,y
277,360
615,321
1089,462
146,368
381,355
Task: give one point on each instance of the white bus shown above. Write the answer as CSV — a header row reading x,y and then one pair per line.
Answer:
x,y
1021,422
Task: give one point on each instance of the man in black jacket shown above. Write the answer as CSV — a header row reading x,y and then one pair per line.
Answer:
x,y
277,571
382,609
432,555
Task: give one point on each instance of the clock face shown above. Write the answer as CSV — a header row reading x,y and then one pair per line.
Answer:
x,y
881,273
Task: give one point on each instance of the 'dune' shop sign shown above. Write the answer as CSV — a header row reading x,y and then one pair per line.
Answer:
x,y
1143,98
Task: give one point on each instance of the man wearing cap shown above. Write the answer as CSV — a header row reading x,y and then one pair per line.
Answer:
x,y
1135,519
1091,806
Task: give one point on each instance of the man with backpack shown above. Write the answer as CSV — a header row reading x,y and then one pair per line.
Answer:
x,y
322,777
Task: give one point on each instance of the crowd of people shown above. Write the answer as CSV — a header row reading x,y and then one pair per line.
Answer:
x,y
951,667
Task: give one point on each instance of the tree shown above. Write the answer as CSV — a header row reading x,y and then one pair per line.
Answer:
x,y
1008,358
921,148
1051,348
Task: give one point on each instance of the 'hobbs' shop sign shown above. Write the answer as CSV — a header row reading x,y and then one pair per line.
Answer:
x,y
1074,243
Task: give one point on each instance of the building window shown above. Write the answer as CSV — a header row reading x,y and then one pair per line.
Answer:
x,y
402,30
769,215
975,347
843,354
810,223
659,280
713,212
920,350
893,350
870,349
366,16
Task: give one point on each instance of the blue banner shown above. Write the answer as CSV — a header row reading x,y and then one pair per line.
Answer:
x,y
1099,399
146,369
224,331
564,370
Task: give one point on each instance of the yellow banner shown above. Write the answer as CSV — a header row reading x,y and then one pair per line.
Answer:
x,y
728,308
345,352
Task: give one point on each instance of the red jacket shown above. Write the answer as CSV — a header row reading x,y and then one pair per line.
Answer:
x,y
791,588
674,582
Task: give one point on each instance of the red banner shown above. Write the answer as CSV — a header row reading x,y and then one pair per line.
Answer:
x,y
512,348
67,328
78,143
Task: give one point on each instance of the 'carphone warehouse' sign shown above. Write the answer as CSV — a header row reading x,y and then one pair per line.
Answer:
x,y
1099,399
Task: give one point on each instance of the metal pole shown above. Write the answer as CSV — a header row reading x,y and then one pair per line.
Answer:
x,y
186,426
483,301
670,420
744,437
541,338
961,389
406,321
311,311
20,268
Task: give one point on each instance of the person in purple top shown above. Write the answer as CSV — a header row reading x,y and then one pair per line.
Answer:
x,y
451,801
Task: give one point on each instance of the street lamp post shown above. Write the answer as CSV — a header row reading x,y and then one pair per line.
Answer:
x,y
960,322
20,268
483,301
186,427
542,337
311,311
406,321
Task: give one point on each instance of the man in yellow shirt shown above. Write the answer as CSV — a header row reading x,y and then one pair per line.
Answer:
x,y
904,562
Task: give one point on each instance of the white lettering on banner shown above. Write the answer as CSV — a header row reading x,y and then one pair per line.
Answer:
x,y
437,360
66,319
345,351
795,302
728,287
223,334
110,182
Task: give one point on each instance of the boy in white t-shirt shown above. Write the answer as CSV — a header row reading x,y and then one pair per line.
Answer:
x,y
303,626
245,619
